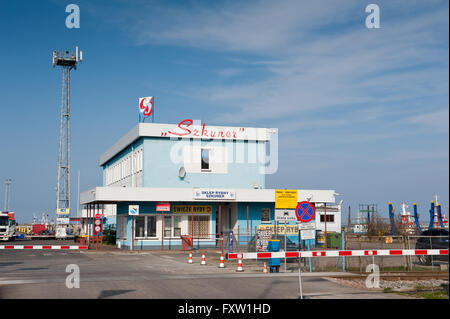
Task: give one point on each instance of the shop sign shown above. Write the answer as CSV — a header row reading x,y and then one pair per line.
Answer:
x,y
63,211
187,209
308,234
262,239
162,206
307,226
133,210
214,194
286,198
285,215
186,129
280,229
62,221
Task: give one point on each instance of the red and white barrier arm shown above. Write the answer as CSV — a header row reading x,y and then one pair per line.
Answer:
x,y
337,253
73,247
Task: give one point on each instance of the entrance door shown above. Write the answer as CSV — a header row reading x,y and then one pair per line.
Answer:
x,y
229,217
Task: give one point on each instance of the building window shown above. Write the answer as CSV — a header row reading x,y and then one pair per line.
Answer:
x,y
205,159
139,227
167,226
176,226
172,226
330,218
151,226
265,216
122,227
201,226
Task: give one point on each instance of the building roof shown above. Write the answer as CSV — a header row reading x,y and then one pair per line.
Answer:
x,y
113,195
186,130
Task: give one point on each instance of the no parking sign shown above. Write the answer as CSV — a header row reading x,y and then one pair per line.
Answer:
x,y
305,211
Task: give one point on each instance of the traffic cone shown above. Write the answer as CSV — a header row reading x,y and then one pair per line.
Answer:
x,y
239,269
222,264
190,258
203,259
265,268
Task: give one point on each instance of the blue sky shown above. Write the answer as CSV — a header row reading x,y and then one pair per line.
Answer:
x,y
362,111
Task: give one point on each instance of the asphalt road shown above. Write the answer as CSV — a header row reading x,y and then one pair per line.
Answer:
x,y
165,275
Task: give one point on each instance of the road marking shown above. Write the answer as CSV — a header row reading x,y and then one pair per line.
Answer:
x,y
254,275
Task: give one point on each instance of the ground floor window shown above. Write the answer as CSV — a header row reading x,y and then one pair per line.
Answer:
x,y
139,226
172,226
201,226
145,226
151,226
330,218
265,216
122,227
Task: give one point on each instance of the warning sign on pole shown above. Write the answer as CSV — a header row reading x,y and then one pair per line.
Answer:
x,y
286,198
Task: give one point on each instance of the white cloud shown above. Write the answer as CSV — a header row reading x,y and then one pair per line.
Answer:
x,y
435,121
308,68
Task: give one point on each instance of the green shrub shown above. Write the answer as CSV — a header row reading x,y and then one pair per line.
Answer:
x,y
109,235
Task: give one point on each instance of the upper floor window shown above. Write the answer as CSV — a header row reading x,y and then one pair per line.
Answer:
x,y
205,159
330,218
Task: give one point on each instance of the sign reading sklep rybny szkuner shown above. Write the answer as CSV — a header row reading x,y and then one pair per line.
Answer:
x,y
212,194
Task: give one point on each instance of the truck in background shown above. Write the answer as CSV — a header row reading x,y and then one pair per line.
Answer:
x,y
7,226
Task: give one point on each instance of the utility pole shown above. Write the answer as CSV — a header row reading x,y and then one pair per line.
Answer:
x,y
78,198
349,222
7,186
325,212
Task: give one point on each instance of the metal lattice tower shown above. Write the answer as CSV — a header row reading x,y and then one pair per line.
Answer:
x,y
67,61
7,185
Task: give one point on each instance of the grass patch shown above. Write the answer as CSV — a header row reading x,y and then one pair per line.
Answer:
x,y
432,295
421,287
404,269
387,289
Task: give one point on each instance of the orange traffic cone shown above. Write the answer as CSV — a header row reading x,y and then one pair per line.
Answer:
x,y
265,268
222,264
240,264
190,258
203,259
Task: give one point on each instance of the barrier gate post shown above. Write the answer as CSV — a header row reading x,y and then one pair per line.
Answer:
x,y
300,277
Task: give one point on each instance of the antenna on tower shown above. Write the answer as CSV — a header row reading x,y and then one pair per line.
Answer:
x,y
67,61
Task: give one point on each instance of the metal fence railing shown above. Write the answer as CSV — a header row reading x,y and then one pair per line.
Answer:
x,y
241,242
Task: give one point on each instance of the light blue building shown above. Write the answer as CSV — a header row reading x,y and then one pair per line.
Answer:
x,y
164,181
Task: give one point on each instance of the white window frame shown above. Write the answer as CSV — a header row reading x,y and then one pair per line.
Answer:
x,y
210,151
146,237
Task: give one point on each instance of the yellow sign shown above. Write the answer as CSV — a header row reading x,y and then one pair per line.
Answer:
x,y
63,211
280,229
286,198
187,209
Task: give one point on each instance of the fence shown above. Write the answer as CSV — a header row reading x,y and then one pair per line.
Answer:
x,y
351,242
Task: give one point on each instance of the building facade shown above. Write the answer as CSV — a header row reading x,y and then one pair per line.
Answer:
x,y
193,180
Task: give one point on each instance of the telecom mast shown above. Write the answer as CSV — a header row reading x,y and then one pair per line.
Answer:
x,y
67,61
